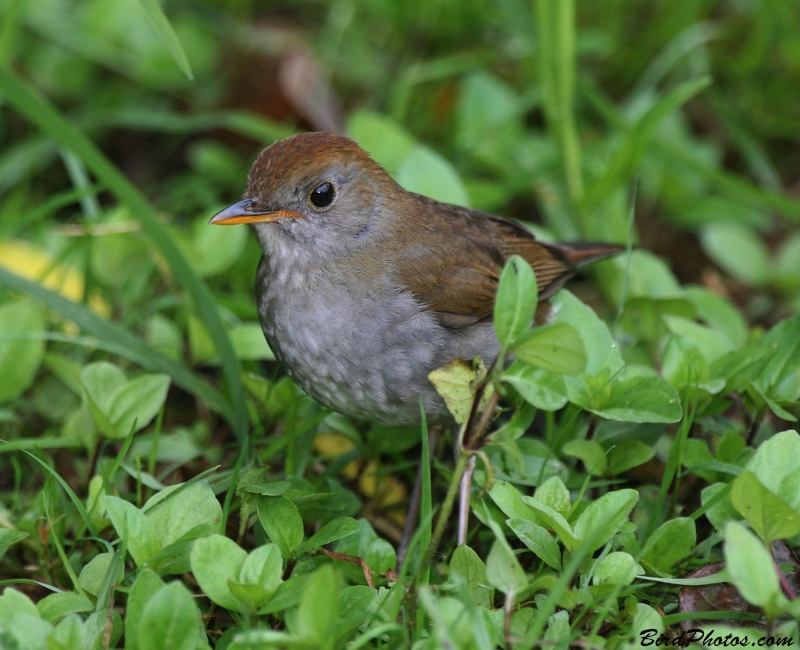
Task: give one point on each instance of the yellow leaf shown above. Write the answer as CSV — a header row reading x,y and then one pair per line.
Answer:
x,y
456,383
35,263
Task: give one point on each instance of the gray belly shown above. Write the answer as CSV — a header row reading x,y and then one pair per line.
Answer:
x,y
367,356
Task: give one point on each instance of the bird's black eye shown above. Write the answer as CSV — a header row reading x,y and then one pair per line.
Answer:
x,y
322,195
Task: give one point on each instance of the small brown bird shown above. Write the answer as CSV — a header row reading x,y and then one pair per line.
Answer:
x,y
364,288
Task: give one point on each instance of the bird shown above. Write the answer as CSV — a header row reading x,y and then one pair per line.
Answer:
x,y
364,287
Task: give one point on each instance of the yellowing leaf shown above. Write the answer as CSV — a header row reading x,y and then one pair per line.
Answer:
x,y
335,444
456,383
35,263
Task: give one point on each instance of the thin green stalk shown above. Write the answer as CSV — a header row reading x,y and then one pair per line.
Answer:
x,y
447,509
556,30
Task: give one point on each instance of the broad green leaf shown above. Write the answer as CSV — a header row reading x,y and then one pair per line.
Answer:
x,y
70,633
669,544
216,560
626,455
603,351
428,173
617,568
711,343
94,573
466,564
319,607
281,519
750,566
486,105
549,518
780,379
538,540
182,508
641,399
138,401
766,512
554,494
601,519
214,250
170,620
249,342
146,586
543,389
503,570
557,347
739,251
646,619
330,532
775,465
741,366
19,359
160,23
591,453
54,607
134,528
719,313
263,567
722,511
380,556
100,380
509,499
9,538
516,300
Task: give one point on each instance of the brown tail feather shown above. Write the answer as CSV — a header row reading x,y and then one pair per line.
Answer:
x,y
581,253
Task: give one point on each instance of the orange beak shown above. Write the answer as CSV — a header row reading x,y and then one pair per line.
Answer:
x,y
243,212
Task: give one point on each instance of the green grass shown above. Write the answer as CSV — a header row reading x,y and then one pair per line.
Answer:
x,y
163,484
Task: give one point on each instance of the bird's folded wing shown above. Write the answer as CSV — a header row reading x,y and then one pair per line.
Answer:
x,y
454,270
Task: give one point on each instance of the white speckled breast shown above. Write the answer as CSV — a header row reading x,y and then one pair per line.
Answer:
x,y
362,349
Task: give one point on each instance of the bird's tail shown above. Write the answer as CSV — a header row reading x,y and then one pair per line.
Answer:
x,y
580,253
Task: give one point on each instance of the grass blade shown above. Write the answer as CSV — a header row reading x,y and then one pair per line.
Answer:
x,y
35,107
556,29
159,22
115,338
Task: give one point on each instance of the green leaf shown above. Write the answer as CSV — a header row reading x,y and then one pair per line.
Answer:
x,y
629,156
19,359
617,568
214,250
669,544
503,570
739,251
767,513
54,607
319,607
554,493
719,313
538,540
158,20
70,633
591,453
556,347
626,455
641,399
711,343
516,300
509,499
428,173
543,389
750,566
549,518
33,105
281,519
138,401
216,561
146,586
775,466
263,567
601,519
93,575
249,342
8,538
467,565
780,379
604,353
330,532
134,528
170,620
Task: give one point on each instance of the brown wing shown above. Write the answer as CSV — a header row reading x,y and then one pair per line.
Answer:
x,y
453,265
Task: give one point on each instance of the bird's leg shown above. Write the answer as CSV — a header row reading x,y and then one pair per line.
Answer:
x,y
464,498
413,507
